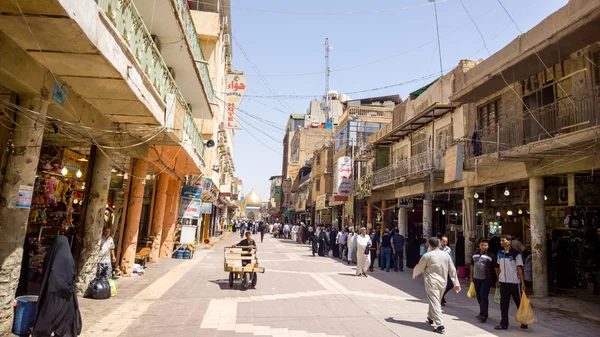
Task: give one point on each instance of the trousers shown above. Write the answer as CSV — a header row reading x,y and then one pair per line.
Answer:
x,y
434,296
508,290
482,288
386,256
399,260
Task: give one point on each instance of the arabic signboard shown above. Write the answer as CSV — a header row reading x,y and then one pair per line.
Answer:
x,y
321,202
192,192
190,208
206,184
344,183
286,186
454,163
236,89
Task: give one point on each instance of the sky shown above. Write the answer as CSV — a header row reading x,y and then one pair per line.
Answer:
x,y
375,43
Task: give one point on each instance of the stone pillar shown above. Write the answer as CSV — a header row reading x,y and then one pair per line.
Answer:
x,y
369,215
469,222
97,196
538,237
132,218
571,189
403,221
170,219
158,218
427,216
21,168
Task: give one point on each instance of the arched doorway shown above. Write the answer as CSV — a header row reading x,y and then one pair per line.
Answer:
x,y
251,216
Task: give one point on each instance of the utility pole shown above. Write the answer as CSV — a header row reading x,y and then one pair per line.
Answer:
x,y
327,71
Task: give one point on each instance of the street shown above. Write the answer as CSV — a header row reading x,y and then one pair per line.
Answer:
x,y
299,295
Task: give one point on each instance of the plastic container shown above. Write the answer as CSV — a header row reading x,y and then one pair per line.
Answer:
x,y
178,254
187,254
463,272
25,308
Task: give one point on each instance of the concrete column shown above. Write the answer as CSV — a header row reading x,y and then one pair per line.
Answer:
x,y
132,219
403,221
369,215
158,218
21,168
571,188
97,196
469,221
427,216
538,237
384,220
170,221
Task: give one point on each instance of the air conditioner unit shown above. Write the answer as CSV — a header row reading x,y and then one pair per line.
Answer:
x,y
224,21
156,41
172,71
227,39
228,60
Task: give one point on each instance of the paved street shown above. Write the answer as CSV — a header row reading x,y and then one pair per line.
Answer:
x,y
299,295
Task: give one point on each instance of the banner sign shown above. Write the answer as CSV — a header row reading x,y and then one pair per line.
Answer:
x,y
236,89
206,184
190,208
321,202
344,183
454,163
192,192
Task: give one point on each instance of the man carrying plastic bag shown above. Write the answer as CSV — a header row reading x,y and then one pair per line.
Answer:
x,y
525,313
483,264
511,282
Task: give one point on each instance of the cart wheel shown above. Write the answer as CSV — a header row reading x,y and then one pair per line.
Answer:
x,y
245,281
230,279
254,279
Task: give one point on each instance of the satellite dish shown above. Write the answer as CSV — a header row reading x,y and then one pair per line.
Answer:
x,y
210,143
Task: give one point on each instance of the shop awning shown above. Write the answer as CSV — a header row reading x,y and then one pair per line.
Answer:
x,y
290,211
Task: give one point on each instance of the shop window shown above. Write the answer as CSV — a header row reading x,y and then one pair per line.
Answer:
x,y
488,113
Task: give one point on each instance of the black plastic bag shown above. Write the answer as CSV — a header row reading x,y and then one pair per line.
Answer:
x,y
98,289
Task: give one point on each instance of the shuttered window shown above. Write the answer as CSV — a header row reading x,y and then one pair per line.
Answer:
x,y
488,114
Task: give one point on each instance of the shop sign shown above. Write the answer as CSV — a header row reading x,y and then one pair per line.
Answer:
x,y
337,200
344,184
287,186
454,163
206,208
70,160
236,89
59,93
192,192
225,195
405,203
321,202
206,184
190,208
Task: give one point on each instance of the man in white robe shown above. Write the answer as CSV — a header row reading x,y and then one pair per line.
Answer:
x,y
435,266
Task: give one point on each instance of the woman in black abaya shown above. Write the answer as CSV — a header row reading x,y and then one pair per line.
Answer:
x,y
58,309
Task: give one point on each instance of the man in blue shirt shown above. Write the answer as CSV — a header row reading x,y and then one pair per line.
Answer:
x,y
398,248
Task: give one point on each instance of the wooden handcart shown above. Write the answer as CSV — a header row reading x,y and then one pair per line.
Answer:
x,y
242,264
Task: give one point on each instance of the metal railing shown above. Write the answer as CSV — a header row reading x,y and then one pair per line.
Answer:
x,y
367,110
129,24
192,35
552,120
404,168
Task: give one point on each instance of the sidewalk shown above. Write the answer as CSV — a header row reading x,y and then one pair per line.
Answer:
x,y
568,306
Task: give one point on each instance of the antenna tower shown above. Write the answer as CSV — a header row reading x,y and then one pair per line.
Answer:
x,y
327,71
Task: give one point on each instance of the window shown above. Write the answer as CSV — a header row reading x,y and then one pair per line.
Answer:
x,y
419,144
318,184
318,159
487,115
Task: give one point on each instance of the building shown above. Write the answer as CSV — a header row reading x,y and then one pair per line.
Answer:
x,y
117,119
275,197
252,206
322,183
361,118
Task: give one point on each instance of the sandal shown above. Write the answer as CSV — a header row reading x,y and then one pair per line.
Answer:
x,y
500,327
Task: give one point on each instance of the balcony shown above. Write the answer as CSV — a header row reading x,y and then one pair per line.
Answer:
x,y
552,121
404,169
174,36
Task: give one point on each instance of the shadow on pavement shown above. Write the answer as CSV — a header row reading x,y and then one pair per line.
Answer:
x,y
418,325
224,285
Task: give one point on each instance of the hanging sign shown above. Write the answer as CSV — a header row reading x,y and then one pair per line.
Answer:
x,y
24,196
191,192
190,208
343,177
236,89
405,203
59,93
206,184
454,163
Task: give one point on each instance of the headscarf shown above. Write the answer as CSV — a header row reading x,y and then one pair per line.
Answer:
x,y
58,309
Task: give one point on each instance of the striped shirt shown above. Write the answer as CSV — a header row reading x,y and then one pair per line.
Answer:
x,y
483,265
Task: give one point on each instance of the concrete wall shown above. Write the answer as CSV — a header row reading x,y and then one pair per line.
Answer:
x,y
207,25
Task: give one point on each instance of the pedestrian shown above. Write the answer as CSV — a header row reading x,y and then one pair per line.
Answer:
x,y
517,244
58,309
333,245
326,240
286,231
445,248
363,243
341,241
435,266
398,250
262,228
295,233
322,246
385,251
352,245
107,255
483,263
373,249
250,244
511,281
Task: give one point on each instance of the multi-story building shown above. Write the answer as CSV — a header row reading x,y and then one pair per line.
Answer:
x,y
322,183
275,196
116,117
361,118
